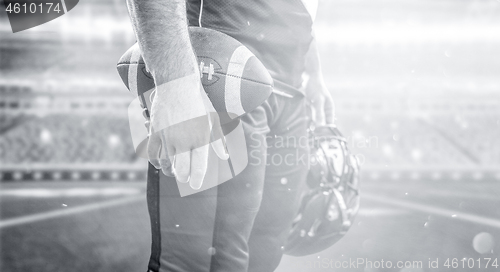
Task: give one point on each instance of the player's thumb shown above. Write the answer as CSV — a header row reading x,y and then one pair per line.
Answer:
x,y
329,110
318,110
154,146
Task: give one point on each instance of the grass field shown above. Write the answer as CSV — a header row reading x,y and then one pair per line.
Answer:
x,y
104,226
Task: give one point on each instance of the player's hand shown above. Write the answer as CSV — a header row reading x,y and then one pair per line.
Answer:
x,y
182,121
321,101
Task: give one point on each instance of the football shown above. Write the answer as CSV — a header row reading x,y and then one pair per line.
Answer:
x,y
235,81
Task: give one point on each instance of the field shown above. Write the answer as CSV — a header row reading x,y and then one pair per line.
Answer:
x,y
104,226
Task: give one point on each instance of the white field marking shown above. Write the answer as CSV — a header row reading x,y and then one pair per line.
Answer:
x,y
479,195
484,195
379,212
436,210
69,192
69,211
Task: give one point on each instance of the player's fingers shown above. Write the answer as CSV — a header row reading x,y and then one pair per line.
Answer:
x,y
216,136
199,164
220,149
166,168
182,166
165,164
154,146
329,110
165,159
218,142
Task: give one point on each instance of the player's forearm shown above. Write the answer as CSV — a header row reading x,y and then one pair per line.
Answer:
x,y
162,34
313,64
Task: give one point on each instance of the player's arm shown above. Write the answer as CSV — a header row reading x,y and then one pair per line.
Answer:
x,y
162,33
316,91
180,127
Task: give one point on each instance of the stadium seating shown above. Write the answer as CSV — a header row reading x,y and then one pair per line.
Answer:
x,y
388,140
59,138
478,133
378,139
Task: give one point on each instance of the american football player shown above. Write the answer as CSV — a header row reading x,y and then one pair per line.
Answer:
x,y
242,224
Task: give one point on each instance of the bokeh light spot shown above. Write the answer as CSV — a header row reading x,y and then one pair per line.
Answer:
x,y
483,242
45,136
211,251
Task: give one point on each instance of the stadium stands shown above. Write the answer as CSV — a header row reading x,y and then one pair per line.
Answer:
x,y
388,140
478,133
86,136
63,139
379,139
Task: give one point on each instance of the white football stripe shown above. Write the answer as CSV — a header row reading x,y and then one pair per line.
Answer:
x,y
375,212
132,71
233,80
431,209
16,221
68,192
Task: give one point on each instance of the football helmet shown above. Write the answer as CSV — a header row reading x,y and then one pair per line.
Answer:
x,y
331,201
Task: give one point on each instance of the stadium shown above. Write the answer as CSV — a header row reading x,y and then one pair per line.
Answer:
x,y
417,95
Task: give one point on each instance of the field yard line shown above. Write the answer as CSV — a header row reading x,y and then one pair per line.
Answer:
x,y
374,212
435,210
68,211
